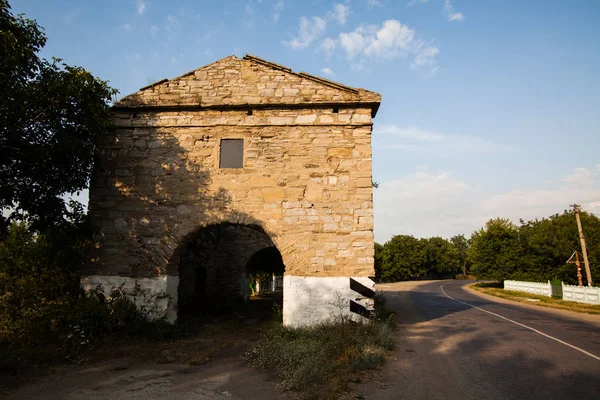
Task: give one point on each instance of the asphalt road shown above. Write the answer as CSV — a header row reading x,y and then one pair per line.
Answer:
x,y
450,349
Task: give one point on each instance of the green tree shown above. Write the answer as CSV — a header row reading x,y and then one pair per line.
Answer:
x,y
441,257
548,242
378,260
461,244
495,250
402,258
50,116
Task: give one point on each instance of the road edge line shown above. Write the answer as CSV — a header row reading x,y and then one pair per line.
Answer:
x,y
522,325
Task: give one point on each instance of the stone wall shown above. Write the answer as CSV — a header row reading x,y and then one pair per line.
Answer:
x,y
306,179
308,186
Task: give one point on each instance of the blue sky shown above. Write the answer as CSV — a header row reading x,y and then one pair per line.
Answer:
x,y
490,108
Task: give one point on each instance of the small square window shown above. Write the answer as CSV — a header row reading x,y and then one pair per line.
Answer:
x,y
232,153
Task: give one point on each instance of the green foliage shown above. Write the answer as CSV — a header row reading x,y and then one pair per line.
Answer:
x,y
495,250
461,245
43,312
50,116
536,250
405,257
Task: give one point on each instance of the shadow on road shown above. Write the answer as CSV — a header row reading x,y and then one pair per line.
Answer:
x,y
448,349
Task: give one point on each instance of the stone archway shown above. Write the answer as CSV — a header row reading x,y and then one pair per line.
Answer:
x,y
215,262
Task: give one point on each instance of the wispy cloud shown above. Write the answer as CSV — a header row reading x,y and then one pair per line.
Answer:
x,y
340,13
389,40
414,2
411,132
141,6
153,30
434,144
450,13
449,205
277,8
582,176
308,31
328,45
425,57
327,71
127,27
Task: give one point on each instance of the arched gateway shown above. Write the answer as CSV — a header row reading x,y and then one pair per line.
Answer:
x,y
252,151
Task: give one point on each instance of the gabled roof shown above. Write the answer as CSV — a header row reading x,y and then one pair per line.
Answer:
x,y
249,82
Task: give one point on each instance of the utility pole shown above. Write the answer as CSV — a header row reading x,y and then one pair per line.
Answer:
x,y
578,264
576,210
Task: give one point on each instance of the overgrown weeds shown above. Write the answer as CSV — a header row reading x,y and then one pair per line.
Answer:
x,y
320,361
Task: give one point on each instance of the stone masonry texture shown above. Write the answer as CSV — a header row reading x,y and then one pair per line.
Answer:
x,y
305,182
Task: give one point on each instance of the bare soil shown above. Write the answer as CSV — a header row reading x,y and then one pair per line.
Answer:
x,y
206,363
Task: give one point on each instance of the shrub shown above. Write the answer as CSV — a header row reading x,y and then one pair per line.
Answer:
x,y
44,315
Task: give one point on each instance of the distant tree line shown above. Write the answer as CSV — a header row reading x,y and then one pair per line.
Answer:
x,y
535,250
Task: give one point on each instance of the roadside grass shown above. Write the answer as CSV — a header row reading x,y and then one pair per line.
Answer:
x,y
544,301
320,362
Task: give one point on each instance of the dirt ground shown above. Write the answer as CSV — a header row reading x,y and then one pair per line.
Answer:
x,y
206,364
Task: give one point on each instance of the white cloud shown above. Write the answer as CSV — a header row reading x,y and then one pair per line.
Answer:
x,y
389,40
328,45
153,30
373,3
414,2
327,71
277,10
340,13
450,13
128,27
392,39
582,176
308,31
141,6
353,43
426,204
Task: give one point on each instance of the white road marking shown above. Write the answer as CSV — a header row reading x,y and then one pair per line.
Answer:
x,y
522,325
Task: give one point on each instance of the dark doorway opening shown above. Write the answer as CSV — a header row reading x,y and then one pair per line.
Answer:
x,y
217,264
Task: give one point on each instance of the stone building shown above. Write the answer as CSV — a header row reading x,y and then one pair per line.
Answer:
x,y
207,169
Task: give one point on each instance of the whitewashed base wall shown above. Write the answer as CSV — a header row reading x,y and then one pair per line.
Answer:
x,y
157,297
306,300
309,300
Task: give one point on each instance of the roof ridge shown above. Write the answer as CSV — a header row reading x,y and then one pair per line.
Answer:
x,y
318,79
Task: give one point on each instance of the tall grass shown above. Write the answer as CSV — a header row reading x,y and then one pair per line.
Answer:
x,y
319,361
